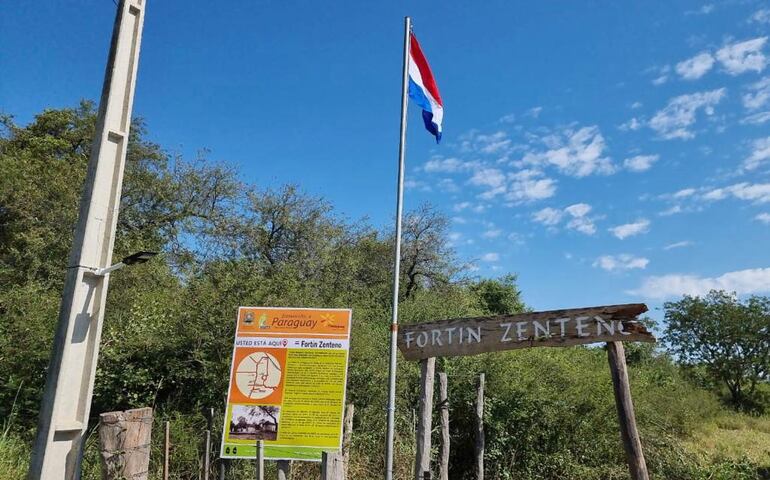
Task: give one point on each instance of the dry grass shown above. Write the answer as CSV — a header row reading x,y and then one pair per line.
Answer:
x,y
734,437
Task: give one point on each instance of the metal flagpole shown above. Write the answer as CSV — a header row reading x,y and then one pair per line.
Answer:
x,y
397,255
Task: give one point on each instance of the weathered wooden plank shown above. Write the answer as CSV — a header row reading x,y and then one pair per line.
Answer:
x,y
555,328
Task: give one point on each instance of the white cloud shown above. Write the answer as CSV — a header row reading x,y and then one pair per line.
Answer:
x,y
756,118
490,257
741,57
683,193
704,10
763,217
631,229
661,72
534,112
411,184
636,105
760,153
492,233
578,209
491,143
758,96
633,125
448,165
548,216
580,221
459,207
682,244
671,211
640,163
756,192
516,238
761,16
494,142
574,152
624,261
448,185
577,215
695,67
527,186
755,280
492,178
674,120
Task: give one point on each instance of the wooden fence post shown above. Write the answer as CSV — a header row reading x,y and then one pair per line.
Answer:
x,y
631,443
331,466
347,434
424,417
124,439
166,448
443,464
284,469
480,428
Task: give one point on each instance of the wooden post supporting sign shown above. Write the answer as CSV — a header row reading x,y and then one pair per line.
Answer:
x,y
626,417
443,464
480,440
424,417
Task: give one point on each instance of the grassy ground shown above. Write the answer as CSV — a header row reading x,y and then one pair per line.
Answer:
x,y
733,438
729,447
14,455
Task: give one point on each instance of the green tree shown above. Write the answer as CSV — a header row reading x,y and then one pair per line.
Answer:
x,y
730,339
499,296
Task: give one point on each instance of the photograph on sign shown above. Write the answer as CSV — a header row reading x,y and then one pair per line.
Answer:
x,y
287,383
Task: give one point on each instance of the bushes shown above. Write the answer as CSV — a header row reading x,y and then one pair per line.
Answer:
x,y
169,324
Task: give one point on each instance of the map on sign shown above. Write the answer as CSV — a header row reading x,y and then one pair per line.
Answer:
x,y
287,383
258,375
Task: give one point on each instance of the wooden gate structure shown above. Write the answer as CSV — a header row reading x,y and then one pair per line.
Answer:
x,y
612,324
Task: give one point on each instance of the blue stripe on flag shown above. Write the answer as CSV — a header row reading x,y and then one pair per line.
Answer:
x,y
416,94
427,117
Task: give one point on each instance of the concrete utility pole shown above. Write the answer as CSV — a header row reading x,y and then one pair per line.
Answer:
x,y
66,404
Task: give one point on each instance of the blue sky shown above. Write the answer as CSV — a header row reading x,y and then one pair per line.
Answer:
x,y
606,152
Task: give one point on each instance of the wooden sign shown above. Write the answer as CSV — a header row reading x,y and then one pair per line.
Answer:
x,y
555,328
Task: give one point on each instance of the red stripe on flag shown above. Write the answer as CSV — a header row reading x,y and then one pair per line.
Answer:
x,y
422,65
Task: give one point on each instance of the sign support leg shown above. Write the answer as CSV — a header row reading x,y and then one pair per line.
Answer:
x,y
480,440
425,415
260,461
443,464
628,432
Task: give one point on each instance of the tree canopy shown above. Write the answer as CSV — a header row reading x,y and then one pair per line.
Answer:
x,y
728,337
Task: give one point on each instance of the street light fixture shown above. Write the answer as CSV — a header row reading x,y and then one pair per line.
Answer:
x,y
133,259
